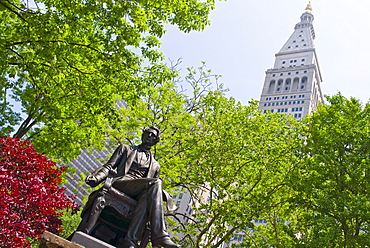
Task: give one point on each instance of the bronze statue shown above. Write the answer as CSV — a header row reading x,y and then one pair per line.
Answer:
x,y
137,175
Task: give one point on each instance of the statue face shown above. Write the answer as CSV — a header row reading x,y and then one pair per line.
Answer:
x,y
150,137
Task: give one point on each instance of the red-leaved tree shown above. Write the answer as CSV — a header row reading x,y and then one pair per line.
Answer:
x,y
30,197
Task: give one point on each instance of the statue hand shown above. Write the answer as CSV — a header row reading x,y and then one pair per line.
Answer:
x,y
92,181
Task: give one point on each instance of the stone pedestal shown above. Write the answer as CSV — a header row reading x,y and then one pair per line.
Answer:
x,y
50,240
88,241
79,240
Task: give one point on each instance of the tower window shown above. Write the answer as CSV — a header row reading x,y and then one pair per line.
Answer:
x,y
302,39
288,47
305,45
293,41
296,46
305,72
297,72
283,62
289,73
303,60
273,75
278,89
295,60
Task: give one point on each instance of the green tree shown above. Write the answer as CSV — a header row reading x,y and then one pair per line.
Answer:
x,y
215,145
67,63
332,188
234,162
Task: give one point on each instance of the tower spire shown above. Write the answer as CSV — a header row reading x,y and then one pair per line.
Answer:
x,y
309,7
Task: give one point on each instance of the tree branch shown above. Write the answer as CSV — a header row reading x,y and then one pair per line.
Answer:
x,y
54,41
12,10
204,231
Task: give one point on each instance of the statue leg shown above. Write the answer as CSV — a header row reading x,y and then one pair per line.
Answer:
x,y
155,209
159,236
139,219
148,192
138,189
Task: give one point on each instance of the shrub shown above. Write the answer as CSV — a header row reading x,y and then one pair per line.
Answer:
x,y
30,198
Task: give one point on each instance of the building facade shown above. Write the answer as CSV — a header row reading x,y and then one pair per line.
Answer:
x,y
293,85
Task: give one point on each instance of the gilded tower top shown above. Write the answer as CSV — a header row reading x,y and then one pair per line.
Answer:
x,y
309,7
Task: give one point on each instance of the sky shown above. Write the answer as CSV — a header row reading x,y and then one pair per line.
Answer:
x,y
244,36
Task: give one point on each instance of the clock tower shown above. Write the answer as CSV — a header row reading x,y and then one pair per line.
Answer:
x,y
293,85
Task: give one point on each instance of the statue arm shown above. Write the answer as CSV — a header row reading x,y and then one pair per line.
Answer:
x,y
95,178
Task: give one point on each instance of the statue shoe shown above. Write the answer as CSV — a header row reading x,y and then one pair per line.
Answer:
x,y
165,242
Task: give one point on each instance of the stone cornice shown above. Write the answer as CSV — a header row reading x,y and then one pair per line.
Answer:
x,y
296,51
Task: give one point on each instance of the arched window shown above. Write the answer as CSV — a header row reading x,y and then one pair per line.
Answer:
x,y
303,83
271,86
295,84
288,82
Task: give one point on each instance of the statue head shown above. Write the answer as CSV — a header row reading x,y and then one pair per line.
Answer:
x,y
150,136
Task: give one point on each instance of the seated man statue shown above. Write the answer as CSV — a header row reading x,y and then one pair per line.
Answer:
x,y
138,176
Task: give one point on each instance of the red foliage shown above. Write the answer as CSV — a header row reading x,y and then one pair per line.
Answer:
x,y
29,193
